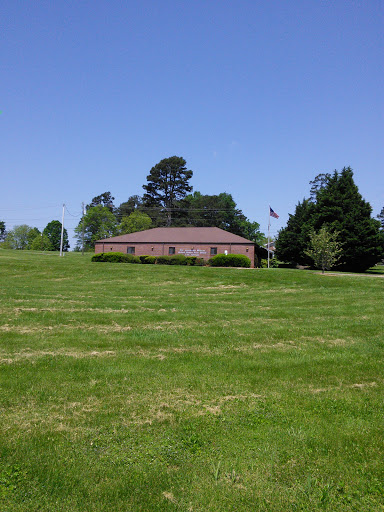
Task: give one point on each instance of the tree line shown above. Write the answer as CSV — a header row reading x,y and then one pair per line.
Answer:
x,y
24,237
346,233
167,201
333,227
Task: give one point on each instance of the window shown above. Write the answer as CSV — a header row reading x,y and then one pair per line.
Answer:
x,y
171,250
213,251
130,250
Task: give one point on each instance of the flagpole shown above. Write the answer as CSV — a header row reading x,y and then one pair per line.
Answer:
x,y
269,225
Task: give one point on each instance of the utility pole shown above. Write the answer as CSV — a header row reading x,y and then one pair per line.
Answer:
x,y
82,229
62,232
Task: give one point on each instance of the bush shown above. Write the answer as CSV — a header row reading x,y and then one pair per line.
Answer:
x,y
115,257
180,259
194,261
230,260
142,258
163,260
130,258
273,263
149,260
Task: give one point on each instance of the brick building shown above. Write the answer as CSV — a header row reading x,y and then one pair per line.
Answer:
x,y
201,242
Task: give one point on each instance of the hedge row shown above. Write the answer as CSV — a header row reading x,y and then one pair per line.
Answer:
x,y
116,257
119,257
220,260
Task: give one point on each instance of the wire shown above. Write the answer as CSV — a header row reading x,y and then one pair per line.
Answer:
x,y
34,208
69,213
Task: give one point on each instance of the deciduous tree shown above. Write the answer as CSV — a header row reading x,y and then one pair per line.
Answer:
x,y
41,243
20,237
220,211
53,232
137,221
324,248
98,223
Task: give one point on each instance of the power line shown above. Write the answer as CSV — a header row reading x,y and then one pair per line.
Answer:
x,y
34,208
69,213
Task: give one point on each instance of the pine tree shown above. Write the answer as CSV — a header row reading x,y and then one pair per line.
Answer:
x,y
341,207
381,218
168,183
337,205
293,240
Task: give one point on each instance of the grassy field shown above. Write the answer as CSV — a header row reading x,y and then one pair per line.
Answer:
x,y
155,388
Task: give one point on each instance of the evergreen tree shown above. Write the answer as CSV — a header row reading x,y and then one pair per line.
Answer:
x,y
338,205
168,184
104,199
381,218
125,209
3,232
341,207
293,240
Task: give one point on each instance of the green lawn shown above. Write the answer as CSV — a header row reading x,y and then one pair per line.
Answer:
x,y
156,388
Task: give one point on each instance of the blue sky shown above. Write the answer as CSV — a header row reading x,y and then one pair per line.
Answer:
x,y
258,96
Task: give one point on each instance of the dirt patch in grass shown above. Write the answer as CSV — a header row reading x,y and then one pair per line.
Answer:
x,y
34,354
223,287
364,385
59,327
331,341
180,401
264,347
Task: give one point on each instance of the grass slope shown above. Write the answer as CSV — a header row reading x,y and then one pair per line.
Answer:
x,y
148,388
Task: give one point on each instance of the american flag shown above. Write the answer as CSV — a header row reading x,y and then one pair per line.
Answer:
x,y
272,213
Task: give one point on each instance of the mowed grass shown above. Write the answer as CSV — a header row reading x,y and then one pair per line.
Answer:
x,y
155,388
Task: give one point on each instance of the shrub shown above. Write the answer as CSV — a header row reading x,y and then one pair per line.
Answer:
x,y
142,258
115,257
163,260
149,260
180,259
130,258
98,257
194,261
230,260
273,263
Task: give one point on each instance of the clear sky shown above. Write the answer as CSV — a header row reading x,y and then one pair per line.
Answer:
x,y
258,97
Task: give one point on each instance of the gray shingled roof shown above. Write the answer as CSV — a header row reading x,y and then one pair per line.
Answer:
x,y
180,235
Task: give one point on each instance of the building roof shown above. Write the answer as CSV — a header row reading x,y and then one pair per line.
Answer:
x,y
180,235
